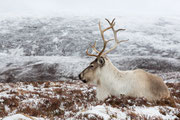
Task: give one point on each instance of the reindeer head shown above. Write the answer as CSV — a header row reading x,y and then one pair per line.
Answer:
x,y
93,71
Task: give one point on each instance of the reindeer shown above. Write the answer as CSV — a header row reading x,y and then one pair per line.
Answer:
x,y
111,81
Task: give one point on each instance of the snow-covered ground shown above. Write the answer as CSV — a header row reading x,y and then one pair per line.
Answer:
x,y
40,59
76,100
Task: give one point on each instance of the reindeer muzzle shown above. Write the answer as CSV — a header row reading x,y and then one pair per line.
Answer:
x,y
81,78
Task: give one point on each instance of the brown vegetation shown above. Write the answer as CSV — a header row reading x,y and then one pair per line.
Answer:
x,y
65,99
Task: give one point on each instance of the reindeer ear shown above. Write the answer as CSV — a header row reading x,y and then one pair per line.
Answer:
x,y
101,61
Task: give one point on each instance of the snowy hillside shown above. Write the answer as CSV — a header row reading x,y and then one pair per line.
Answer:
x,y
58,68
154,45
148,36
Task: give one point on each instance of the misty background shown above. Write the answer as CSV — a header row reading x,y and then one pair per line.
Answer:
x,y
89,7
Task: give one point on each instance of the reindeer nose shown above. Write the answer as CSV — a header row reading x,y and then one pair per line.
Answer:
x,y
80,76
84,81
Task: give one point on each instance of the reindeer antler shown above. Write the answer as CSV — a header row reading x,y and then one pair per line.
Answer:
x,y
112,24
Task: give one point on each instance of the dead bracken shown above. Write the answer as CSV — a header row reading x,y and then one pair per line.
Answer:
x,y
72,99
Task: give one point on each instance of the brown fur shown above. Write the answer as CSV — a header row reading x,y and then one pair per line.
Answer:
x,y
155,85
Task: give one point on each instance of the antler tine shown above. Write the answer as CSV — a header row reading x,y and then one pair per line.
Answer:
x,y
90,54
115,36
110,22
102,35
94,47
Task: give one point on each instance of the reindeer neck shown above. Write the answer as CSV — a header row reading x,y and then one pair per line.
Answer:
x,y
110,71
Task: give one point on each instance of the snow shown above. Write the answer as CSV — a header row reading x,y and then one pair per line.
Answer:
x,y
16,52
28,68
21,117
17,117
99,110
152,111
7,108
148,36
105,112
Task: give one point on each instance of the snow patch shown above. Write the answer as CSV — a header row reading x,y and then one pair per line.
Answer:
x,y
21,117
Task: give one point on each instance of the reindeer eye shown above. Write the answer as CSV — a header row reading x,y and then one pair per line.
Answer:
x,y
101,61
